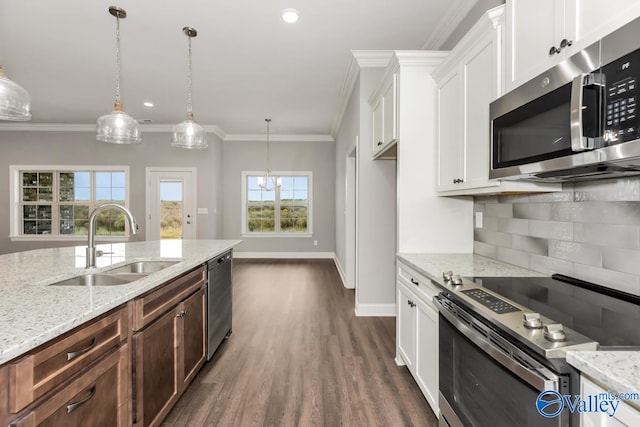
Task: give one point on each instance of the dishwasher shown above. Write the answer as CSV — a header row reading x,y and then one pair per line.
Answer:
x,y
218,301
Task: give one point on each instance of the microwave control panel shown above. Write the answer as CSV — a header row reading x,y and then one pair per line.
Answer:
x,y
621,114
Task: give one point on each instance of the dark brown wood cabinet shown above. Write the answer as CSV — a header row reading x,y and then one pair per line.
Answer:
x,y
81,378
170,348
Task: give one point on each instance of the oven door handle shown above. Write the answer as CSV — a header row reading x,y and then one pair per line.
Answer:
x,y
541,379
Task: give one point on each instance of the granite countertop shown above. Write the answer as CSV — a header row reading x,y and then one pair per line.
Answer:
x,y
617,370
32,312
432,265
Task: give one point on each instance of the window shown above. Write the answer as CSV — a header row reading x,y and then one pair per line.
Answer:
x,y
54,202
285,210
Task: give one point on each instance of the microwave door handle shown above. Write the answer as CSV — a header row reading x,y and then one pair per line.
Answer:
x,y
578,141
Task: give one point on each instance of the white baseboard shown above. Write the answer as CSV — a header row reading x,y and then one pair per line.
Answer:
x,y
399,361
375,310
343,276
284,255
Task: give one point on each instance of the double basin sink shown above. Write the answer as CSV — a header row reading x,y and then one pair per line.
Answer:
x,y
117,276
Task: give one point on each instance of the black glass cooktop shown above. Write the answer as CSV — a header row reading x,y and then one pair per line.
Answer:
x,y
610,317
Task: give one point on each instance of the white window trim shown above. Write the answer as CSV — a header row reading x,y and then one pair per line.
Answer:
x,y
309,232
14,203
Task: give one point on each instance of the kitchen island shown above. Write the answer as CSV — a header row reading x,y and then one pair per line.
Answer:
x,y
32,312
116,348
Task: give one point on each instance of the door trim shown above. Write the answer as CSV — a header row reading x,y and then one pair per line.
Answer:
x,y
194,193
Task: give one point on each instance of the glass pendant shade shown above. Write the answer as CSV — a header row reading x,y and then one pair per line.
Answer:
x,y
188,134
15,102
118,127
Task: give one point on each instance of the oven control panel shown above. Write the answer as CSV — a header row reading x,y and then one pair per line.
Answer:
x,y
493,303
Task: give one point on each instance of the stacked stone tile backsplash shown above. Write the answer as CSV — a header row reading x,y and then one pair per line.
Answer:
x,y
588,230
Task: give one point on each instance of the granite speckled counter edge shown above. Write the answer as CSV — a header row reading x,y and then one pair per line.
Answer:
x,y
32,312
617,370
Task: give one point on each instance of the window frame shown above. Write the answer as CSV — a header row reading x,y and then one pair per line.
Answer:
x,y
309,233
15,218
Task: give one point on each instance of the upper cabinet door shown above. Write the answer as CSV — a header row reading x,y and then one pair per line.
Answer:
x,y
450,116
534,28
389,100
377,126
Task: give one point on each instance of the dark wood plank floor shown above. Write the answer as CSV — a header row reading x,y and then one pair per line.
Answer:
x,y
298,356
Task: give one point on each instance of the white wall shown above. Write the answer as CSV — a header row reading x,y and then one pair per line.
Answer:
x,y
469,21
317,157
81,148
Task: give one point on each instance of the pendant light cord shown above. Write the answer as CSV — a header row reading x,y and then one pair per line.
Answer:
x,y
189,85
117,59
268,162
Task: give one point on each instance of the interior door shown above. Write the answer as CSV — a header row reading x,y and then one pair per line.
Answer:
x,y
170,204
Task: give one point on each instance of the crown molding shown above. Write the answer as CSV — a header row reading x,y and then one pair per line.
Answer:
x,y
449,22
277,138
64,127
359,59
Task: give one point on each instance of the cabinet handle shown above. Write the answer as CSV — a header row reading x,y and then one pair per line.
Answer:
x,y
554,50
182,314
458,181
72,355
73,406
411,303
379,143
415,282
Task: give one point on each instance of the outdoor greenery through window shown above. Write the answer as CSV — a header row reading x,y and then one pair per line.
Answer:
x,y
284,209
58,202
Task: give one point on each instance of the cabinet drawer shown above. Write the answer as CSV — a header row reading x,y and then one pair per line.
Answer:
x,y
97,398
155,303
417,282
48,366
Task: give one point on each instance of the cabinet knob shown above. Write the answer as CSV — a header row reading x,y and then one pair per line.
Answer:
x,y
565,43
182,314
415,282
379,143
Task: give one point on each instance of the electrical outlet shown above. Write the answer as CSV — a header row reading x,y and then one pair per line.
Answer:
x,y
315,243
478,219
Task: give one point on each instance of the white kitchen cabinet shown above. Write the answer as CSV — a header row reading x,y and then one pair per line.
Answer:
x,y
417,331
536,31
385,121
625,415
467,81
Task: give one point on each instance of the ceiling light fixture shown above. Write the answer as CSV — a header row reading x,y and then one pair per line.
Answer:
x,y
148,104
265,181
290,15
15,103
189,134
118,127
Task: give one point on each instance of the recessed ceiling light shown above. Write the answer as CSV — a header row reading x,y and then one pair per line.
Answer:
x,y
148,104
290,15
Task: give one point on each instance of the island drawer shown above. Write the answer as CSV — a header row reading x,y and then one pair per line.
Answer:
x,y
98,397
155,303
48,366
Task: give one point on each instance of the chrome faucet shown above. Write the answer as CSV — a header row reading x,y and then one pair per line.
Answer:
x,y
91,244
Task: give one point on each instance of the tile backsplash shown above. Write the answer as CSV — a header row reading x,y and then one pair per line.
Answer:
x,y
588,230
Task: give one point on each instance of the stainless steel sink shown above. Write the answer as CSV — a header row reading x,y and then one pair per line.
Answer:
x,y
99,279
142,267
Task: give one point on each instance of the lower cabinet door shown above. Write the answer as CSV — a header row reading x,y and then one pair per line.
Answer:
x,y
406,326
194,349
427,352
155,370
97,398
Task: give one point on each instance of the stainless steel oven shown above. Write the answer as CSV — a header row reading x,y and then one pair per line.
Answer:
x,y
503,343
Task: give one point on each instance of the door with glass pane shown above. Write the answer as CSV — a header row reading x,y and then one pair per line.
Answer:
x,y
170,201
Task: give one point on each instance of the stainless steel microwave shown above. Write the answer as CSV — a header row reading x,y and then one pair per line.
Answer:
x,y
577,121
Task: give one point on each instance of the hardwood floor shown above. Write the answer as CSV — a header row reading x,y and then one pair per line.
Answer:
x,y
298,356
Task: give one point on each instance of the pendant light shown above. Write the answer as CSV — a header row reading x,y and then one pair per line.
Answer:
x,y
15,103
118,127
189,134
268,182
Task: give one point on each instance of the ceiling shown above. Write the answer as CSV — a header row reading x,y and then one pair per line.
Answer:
x,y
248,64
